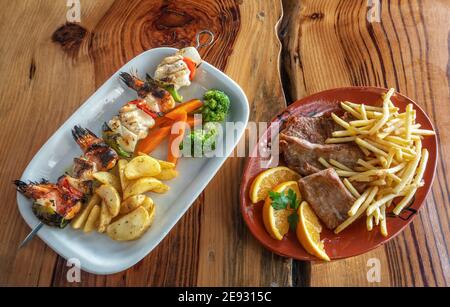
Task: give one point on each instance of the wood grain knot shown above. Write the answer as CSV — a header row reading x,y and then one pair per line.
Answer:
x,y
32,70
317,15
170,18
70,36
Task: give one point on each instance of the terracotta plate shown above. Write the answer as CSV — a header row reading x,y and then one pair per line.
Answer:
x,y
355,239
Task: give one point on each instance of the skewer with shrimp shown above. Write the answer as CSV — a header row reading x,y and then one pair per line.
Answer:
x,y
56,204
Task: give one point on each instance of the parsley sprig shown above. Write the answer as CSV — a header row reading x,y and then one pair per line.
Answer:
x,y
287,200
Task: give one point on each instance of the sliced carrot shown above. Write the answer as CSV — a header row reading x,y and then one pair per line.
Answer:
x,y
190,121
153,139
162,122
169,122
186,107
176,138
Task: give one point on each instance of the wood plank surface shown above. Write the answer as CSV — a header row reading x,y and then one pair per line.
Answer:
x,y
324,44
330,44
83,57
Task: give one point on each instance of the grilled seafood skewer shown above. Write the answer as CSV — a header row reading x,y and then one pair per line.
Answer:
x,y
132,124
57,204
53,204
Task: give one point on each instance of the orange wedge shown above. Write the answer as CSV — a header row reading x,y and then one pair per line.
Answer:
x,y
268,180
276,221
308,232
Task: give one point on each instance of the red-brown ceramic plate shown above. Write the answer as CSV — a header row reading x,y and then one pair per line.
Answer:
x,y
355,239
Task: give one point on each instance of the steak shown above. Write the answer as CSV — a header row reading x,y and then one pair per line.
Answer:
x,y
302,143
327,196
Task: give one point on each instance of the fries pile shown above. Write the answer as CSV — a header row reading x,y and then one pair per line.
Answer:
x,y
394,161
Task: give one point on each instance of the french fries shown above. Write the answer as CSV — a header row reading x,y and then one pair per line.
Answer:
x,y
394,162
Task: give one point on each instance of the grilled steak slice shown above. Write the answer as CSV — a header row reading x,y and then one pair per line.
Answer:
x,y
313,129
327,196
302,143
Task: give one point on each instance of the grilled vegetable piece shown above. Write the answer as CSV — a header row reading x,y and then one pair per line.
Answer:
x,y
167,86
216,106
111,139
95,149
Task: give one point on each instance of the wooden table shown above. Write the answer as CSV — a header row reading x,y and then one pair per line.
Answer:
x,y
323,44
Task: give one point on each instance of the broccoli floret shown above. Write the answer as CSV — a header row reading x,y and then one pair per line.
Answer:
x,y
216,106
201,141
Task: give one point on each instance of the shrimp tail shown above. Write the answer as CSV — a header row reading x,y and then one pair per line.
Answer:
x,y
84,137
131,81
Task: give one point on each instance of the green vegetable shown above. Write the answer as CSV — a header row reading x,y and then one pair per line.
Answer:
x,y
167,86
216,106
176,96
48,215
110,139
283,201
293,221
201,141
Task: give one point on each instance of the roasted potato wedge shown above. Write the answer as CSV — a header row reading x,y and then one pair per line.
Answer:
x,y
166,164
108,178
79,221
130,226
121,170
92,220
167,174
142,166
110,197
150,207
161,189
148,204
105,218
144,185
131,203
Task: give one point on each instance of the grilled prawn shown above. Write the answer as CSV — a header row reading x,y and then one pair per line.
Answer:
x,y
157,98
54,204
96,151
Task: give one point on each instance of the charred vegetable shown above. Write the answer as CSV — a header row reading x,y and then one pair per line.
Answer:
x,y
110,138
167,86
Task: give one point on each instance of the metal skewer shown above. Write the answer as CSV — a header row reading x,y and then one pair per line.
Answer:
x,y
31,235
199,35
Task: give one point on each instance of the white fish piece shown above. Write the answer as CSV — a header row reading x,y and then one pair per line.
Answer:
x,y
191,53
132,124
174,70
127,140
136,120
